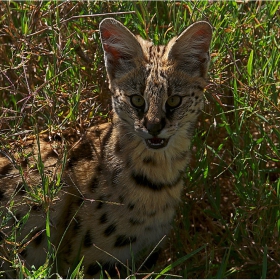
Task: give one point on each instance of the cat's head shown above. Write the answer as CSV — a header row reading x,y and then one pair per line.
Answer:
x,y
157,90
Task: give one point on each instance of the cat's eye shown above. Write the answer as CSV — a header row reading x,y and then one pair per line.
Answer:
x,y
173,101
137,101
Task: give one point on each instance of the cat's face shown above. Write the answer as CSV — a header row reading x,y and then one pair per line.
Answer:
x,y
157,106
157,90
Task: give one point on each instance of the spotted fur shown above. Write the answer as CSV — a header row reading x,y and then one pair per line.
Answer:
x,y
122,181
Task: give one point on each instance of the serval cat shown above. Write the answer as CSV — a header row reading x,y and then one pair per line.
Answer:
x,y
117,187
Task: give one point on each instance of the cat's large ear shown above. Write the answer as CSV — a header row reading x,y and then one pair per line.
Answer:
x,y
120,46
190,51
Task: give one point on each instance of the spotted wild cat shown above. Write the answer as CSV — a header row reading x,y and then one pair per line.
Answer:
x,y
121,182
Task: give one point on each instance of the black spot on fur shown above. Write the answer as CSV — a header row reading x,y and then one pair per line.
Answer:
x,y
93,184
99,205
149,160
152,259
123,240
111,270
18,216
110,230
143,181
2,237
97,133
100,202
6,169
93,269
2,194
79,201
88,239
130,206
118,147
39,238
98,169
57,138
24,163
77,224
103,219
135,222
36,208
24,253
71,162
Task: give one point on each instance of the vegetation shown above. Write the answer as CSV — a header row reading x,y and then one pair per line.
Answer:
x,y
52,78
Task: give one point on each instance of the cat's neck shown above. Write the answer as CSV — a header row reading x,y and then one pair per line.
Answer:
x,y
164,166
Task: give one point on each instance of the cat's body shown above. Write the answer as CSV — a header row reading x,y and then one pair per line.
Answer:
x,y
122,181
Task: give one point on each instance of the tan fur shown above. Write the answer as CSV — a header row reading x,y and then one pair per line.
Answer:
x,y
121,181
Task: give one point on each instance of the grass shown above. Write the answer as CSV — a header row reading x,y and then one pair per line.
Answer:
x,y
52,79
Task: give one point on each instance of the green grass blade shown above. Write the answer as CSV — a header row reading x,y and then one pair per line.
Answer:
x,y
250,63
75,273
178,262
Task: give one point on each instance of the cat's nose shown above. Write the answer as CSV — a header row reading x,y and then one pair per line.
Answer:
x,y
154,126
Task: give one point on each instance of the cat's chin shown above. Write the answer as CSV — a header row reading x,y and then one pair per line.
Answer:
x,y
157,143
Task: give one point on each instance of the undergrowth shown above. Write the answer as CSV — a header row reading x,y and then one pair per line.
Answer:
x,y
52,79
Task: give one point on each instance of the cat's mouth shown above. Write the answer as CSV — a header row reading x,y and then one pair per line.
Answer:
x,y
156,143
